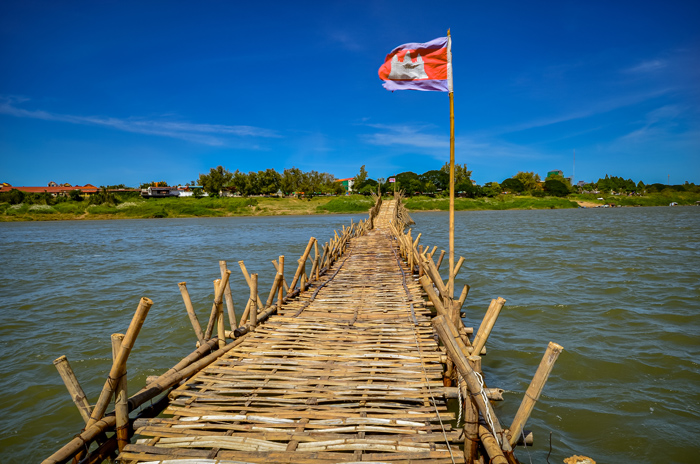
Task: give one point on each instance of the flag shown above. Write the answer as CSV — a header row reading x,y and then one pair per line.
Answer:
x,y
419,66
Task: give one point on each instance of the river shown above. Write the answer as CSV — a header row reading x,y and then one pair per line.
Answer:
x,y
619,288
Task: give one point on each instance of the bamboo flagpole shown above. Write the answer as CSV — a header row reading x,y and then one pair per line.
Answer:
x,y
451,282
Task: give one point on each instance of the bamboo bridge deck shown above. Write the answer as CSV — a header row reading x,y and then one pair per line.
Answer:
x,y
348,372
346,367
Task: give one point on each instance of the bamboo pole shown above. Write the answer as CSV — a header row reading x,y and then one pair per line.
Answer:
x,y
218,300
302,280
534,390
471,423
491,445
301,264
451,283
280,295
190,312
453,347
229,298
277,281
253,297
439,262
119,365
248,281
487,324
457,267
74,389
220,328
187,367
121,402
277,268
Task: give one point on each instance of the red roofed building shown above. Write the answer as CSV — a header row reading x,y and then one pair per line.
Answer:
x,y
54,189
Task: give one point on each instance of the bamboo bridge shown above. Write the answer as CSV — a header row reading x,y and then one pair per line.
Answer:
x,y
353,361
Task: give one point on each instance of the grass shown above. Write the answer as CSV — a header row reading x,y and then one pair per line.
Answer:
x,y
261,206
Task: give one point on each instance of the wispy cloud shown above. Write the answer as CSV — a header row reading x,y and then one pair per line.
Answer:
x,y
647,67
208,134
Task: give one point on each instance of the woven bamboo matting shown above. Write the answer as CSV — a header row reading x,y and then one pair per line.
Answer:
x,y
353,376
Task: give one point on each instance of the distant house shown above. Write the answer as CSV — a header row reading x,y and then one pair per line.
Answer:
x,y
347,183
160,192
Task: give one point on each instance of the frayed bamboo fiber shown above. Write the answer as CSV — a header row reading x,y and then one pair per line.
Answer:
x,y
304,256
228,298
74,389
487,324
119,365
534,390
453,347
121,402
190,312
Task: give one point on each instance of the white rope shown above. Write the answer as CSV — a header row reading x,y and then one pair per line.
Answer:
x,y
488,410
459,397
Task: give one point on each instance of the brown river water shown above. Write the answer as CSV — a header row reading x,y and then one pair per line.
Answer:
x,y
619,288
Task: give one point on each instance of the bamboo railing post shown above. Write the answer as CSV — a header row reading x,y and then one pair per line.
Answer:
x,y
420,261
277,268
253,297
302,281
280,295
219,288
491,445
74,389
229,298
301,264
276,282
487,324
534,390
121,399
190,312
439,262
248,281
471,423
218,300
442,325
119,365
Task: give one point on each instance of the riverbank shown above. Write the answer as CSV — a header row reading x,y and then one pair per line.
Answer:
x,y
138,208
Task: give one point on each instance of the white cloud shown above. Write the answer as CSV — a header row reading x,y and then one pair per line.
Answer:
x,y
647,67
207,134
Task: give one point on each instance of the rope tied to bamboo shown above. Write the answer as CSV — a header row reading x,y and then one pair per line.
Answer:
x,y
488,417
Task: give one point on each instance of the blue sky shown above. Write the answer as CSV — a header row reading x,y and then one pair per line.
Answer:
x,y
128,92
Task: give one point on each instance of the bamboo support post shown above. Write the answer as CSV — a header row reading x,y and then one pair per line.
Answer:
x,y
74,389
277,281
487,324
463,297
435,277
121,399
220,328
253,297
280,294
279,266
301,264
491,445
439,261
453,347
534,390
218,300
190,312
471,424
317,260
248,281
302,280
119,365
457,267
228,298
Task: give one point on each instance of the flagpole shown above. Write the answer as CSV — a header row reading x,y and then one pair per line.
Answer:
x,y
451,281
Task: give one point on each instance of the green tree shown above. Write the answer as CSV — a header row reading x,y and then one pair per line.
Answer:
x,y
439,178
269,181
491,189
360,178
513,185
556,187
215,181
75,195
292,180
461,172
530,180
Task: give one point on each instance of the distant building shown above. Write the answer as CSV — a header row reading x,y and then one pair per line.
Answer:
x,y
54,189
347,183
555,173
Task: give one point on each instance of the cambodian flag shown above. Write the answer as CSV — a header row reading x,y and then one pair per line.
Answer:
x,y
419,66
